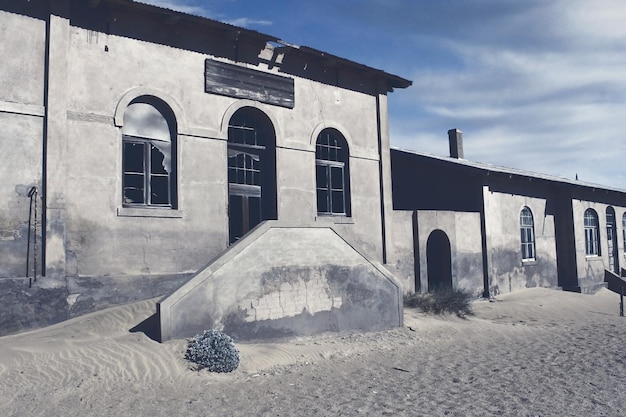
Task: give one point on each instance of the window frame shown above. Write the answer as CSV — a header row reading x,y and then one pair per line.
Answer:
x,y
591,229
527,235
624,232
150,172
332,160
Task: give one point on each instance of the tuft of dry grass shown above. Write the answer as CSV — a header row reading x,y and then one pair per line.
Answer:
x,y
445,301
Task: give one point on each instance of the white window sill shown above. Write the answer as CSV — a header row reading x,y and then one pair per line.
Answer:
x,y
593,257
334,218
149,212
529,261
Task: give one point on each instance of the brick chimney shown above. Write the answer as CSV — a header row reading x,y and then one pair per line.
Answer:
x,y
455,137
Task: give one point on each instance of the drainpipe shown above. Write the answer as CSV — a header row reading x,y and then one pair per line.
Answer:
x,y
44,148
381,178
484,243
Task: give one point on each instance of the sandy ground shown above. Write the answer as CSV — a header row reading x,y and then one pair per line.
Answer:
x,y
536,352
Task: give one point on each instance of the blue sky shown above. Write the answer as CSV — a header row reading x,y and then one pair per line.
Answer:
x,y
534,84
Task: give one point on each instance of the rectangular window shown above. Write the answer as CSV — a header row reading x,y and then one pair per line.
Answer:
x,y
146,181
528,243
591,241
330,188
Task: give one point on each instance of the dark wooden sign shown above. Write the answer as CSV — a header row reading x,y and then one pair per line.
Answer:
x,y
235,81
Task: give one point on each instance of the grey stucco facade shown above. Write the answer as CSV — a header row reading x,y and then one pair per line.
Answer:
x,y
69,85
153,153
483,204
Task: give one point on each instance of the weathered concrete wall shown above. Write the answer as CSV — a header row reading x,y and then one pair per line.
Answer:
x,y
590,268
463,231
25,307
97,57
401,255
23,56
21,118
284,281
507,271
199,229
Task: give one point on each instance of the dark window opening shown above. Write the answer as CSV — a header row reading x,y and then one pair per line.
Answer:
x,y
611,237
251,171
527,234
331,172
592,238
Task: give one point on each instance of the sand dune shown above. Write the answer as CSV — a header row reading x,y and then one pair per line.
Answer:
x,y
535,352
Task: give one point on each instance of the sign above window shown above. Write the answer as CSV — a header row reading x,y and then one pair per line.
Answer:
x,y
235,81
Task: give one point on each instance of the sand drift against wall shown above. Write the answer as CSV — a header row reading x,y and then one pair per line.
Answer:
x,y
531,353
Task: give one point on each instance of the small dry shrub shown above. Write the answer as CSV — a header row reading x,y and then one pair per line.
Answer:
x,y
213,350
444,301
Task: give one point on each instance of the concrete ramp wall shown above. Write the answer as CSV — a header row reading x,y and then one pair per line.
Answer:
x,y
284,281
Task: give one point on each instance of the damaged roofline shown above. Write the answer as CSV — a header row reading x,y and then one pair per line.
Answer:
x,y
393,81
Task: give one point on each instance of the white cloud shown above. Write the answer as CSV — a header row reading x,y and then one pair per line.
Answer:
x,y
543,97
247,22
179,6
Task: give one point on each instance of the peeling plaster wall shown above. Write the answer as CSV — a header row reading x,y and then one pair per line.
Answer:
x,y
463,231
21,118
400,260
507,271
285,281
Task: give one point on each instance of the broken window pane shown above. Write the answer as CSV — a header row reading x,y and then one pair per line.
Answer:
x,y
156,161
133,188
148,153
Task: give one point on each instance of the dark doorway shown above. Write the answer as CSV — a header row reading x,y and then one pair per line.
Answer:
x,y
439,261
251,171
611,236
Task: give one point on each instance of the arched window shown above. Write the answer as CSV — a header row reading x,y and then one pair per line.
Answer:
x,y
149,154
592,238
527,232
332,173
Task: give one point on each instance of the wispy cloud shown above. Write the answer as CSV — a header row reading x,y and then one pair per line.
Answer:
x,y
543,92
533,84
247,22
190,7
180,6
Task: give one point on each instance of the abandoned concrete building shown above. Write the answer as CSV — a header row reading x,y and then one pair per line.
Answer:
x,y
248,182
491,230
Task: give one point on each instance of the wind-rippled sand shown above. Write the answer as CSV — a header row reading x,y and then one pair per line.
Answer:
x,y
537,352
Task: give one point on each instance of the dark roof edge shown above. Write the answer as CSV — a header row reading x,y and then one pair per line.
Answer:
x,y
393,81
509,171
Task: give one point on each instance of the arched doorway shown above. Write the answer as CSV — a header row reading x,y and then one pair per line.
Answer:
x,y
251,171
438,261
